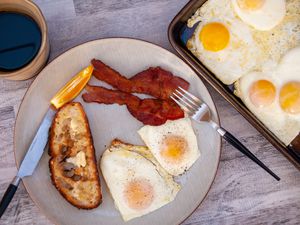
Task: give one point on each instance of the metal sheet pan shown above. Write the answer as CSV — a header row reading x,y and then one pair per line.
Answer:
x,y
178,34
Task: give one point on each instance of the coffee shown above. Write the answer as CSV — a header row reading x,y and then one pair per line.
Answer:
x,y
20,40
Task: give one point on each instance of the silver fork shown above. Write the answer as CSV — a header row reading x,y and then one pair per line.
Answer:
x,y
199,111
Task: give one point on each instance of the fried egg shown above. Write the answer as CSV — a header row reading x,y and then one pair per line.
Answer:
x,y
289,74
275,43
137,183
274,96
223,43
261,14
231,48
173,144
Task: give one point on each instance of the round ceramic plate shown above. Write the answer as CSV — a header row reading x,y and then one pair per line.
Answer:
x,y
128,56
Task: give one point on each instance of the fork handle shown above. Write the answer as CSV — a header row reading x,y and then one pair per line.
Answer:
x,y
239,146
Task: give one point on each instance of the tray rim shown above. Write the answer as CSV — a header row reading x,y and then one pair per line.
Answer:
x,y
209,77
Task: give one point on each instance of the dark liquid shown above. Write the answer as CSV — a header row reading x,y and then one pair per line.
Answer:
x,y
20,40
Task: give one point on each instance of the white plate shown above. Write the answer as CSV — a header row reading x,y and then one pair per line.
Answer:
x,y
128,56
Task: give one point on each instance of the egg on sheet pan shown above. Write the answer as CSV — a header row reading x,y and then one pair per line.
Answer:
x,y
173,144
276,42
274,96
261,14
289,74
230,47
222,42
136,181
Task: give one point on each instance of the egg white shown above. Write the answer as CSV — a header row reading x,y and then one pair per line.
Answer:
x,y
266,18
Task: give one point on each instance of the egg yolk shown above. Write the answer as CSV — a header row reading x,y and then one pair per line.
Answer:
x,y
289,97
139,194
173,148
250,5
262,93
214,37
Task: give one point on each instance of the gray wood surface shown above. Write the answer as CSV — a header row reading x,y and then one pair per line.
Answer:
x,y
241,194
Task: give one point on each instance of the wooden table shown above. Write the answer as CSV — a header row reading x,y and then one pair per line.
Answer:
x,y
242,193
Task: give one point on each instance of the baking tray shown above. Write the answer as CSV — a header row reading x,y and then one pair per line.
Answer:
x,y
178,34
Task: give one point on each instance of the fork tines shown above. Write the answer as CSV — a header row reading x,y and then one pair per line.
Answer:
x,y
186,100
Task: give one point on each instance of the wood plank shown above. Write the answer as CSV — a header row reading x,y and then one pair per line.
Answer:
x,y
56,10
94,7
150,24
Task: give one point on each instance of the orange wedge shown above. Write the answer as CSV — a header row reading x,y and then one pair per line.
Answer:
x,y
72,88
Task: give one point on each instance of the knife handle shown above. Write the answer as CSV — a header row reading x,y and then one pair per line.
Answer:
x,y
9,194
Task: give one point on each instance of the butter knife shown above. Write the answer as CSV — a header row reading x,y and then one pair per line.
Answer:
x,y
37,146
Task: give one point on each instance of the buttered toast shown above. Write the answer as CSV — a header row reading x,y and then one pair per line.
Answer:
x,y
72,164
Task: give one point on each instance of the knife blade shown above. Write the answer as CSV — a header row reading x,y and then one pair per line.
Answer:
x,y
37,146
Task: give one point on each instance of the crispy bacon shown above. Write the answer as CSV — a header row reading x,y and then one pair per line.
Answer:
x,y
149,111
154,81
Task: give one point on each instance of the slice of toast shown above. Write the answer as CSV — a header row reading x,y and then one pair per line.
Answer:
x,y
72,164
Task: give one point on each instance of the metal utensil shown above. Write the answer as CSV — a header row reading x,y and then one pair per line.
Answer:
x,y
37,147
200,111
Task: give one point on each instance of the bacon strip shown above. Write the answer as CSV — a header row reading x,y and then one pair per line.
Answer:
x,y
149,111
154,81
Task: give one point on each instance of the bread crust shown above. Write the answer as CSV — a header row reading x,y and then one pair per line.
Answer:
x,y
55,169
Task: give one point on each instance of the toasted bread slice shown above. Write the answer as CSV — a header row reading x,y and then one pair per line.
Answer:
x,y
72,164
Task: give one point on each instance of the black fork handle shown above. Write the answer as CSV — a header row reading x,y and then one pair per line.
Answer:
x,y
239,146
8,195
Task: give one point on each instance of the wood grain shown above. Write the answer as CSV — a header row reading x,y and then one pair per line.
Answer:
x,y
241,194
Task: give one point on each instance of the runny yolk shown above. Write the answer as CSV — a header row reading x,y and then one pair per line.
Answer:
x,y
214,36
289,97
250,5
262,93
139,194
173,148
